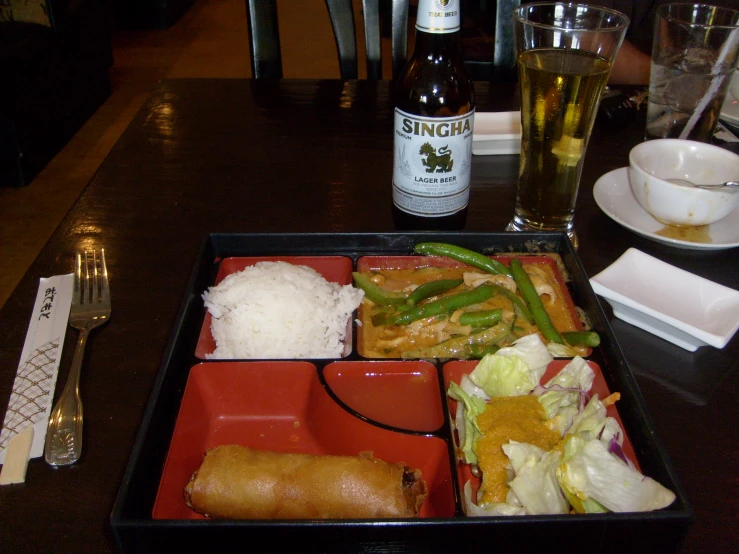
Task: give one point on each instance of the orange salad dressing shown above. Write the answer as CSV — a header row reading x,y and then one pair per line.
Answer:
x,y
518,418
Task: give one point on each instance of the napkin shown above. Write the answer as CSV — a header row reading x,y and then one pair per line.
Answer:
x,y
35,380
497,133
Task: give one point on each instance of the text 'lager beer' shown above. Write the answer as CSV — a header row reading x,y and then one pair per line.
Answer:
x,y
434,111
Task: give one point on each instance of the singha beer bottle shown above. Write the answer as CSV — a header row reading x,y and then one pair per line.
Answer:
x,y
434,110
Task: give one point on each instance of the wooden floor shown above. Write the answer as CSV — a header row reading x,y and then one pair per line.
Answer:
x,y
210,40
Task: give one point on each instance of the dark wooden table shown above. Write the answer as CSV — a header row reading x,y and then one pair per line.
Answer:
x,y
207,156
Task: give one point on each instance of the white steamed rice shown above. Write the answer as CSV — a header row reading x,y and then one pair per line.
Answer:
x,y
279,310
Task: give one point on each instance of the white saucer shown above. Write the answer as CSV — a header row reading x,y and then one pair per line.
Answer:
x,y
613,195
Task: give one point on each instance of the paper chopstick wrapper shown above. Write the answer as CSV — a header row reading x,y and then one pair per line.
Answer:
x,y
24,427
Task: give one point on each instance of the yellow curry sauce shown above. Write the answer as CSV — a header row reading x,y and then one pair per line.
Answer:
x,y
393,341
518,418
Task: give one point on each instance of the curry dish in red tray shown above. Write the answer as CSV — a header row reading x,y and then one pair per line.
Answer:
x,y
478,311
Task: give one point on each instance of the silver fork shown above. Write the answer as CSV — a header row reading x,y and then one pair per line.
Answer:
x,y
90,309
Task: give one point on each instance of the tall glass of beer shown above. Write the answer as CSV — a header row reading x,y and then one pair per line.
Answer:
x,y
564,57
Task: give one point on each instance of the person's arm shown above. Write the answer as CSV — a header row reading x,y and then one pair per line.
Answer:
x,y
631,67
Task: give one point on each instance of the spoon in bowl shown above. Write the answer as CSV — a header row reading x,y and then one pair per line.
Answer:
x,y
716,186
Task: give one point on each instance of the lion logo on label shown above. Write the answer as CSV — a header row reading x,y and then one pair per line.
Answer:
x,y
441,162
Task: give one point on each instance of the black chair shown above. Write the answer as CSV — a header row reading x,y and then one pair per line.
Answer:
x,y
266,56
499,63
264,37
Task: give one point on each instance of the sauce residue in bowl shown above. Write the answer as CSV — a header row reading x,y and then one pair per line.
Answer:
x,y
688,233
518,418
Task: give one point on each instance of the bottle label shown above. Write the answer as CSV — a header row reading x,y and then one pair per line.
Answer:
x,y
432,163
438,16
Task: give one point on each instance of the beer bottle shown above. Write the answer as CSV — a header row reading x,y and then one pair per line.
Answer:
x,y
434,110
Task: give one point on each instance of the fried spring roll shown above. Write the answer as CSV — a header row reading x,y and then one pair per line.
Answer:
x,y
237,482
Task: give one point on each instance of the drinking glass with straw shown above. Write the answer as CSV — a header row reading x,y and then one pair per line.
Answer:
x,y
693,58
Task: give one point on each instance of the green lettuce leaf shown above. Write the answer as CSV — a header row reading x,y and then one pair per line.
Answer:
x,y
514,370
561,406
535,485
469,431
532,351
502,376
593,423
594,479
494,509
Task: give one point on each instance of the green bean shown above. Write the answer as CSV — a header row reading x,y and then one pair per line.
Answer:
x,y
469,257
581,338
383,318
388,317
376,293
462,347
519,305
479,351
432,288
389,309
437,307
527,290
483,318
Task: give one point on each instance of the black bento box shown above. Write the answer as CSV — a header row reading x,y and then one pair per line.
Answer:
x,y
136,529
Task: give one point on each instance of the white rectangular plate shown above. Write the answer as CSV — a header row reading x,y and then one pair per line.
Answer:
x,y
678,306
497,133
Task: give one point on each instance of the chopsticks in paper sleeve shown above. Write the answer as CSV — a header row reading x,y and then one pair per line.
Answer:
x,y
24,427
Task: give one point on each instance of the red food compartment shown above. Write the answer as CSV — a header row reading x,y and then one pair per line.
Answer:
x,y
399,394
337,269
282,406
370,263
453,371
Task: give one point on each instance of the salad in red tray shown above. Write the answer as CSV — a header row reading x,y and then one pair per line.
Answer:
x,y
544,448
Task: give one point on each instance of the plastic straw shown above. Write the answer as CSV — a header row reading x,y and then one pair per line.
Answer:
x,y
726,49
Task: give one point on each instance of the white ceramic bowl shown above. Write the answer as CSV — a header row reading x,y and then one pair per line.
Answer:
x,y
678,306
654,161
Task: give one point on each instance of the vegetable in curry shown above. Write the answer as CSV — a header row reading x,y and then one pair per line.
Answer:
x,y
468,309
